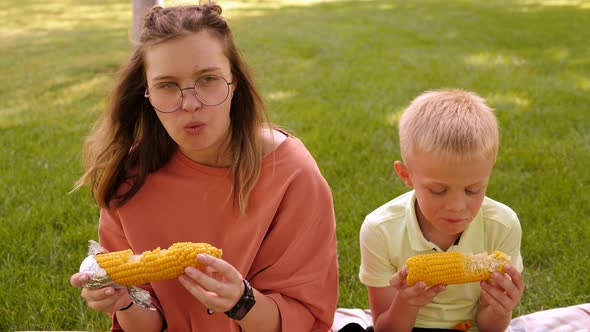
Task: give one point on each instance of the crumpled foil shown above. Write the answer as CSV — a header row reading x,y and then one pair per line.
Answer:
x,y
99,277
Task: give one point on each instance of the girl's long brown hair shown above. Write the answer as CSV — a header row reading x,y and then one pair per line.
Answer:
x,y
128,142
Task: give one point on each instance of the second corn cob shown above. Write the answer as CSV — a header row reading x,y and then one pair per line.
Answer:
x,y
454,267
158,264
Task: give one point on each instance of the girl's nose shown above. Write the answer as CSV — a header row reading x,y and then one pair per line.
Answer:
x,y
190,102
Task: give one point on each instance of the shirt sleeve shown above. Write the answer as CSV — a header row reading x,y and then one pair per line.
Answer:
x,y
510,244
503,232
112,237
297,265
376,268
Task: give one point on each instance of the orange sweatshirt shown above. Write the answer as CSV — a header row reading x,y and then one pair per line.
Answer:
x,y
285,245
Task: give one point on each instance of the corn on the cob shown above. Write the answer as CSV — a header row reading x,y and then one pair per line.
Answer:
x,y
454,267
128,269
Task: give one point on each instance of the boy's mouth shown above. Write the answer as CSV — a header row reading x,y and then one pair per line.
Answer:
x,y
453,221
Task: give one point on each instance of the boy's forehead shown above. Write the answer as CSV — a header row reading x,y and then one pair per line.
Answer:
x,y
446,157
436,169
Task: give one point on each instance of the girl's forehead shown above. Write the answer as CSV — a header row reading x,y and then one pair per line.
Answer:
x,y
185,55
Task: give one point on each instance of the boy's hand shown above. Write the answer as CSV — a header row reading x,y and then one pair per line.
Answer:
x,y
418,295
503,292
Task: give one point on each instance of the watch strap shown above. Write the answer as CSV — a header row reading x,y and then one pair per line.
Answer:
x,y
245,303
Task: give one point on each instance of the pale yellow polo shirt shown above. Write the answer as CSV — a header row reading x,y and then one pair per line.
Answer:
x,y
391,234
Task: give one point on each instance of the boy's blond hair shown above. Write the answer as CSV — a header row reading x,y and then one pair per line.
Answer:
x,y
453,124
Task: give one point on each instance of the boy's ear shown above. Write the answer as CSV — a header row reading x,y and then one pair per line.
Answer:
x,y
402,171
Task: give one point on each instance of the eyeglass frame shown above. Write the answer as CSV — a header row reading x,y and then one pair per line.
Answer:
x,y
194,88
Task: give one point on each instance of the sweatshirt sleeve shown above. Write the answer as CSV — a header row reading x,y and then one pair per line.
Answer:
x,y
112,237
297,265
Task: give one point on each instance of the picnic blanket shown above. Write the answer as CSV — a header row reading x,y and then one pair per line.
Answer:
x,y
575,318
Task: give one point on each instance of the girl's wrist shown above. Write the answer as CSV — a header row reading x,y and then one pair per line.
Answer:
x,y
127,306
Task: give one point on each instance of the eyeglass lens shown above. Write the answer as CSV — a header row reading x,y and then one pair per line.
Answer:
x,y
211,90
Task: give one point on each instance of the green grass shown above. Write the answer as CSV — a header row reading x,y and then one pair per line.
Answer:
x,y
335,73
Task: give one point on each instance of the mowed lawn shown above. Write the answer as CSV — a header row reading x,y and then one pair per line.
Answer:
x,y
334,73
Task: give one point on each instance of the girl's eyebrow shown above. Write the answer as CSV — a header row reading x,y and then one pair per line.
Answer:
x,y
163,78
207,70
195,73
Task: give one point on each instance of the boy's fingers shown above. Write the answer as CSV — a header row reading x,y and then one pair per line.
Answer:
x,y
484,295
437,289
496,296
432,291
489,299
515,276
419,289
509,289
403,273
397,279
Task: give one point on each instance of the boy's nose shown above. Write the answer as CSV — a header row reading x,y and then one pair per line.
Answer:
x,y
456,204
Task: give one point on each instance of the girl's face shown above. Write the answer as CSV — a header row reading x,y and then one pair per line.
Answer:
x,y
198,129
449,194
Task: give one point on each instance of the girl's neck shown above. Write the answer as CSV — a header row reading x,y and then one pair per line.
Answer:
x,y
213,158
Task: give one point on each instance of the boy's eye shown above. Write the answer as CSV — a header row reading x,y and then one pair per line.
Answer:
x,y
472,191
437,191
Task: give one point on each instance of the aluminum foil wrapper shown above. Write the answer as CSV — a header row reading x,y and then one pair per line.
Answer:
x,y
99,277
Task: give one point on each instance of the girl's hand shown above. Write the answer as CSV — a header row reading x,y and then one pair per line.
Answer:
x,y
418,295
106,299
503,292
219,286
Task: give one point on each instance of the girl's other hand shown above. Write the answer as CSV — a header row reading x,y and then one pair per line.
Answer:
x,y
106,299
219,286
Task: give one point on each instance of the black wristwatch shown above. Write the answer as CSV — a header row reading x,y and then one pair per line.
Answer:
x,y
239,311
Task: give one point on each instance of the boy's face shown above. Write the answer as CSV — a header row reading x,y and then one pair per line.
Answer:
x,y
449,193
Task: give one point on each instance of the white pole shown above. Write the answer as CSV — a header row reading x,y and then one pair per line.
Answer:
x,y
140,7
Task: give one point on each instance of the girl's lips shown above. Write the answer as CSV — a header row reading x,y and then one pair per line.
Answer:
x,y
194,128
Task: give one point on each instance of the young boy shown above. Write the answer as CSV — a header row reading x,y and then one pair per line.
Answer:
x,y
449,142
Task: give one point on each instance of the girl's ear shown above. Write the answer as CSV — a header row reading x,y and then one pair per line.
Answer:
x,y
402,171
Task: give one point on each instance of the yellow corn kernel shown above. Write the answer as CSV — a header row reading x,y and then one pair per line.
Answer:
x,y
446,268
129,270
